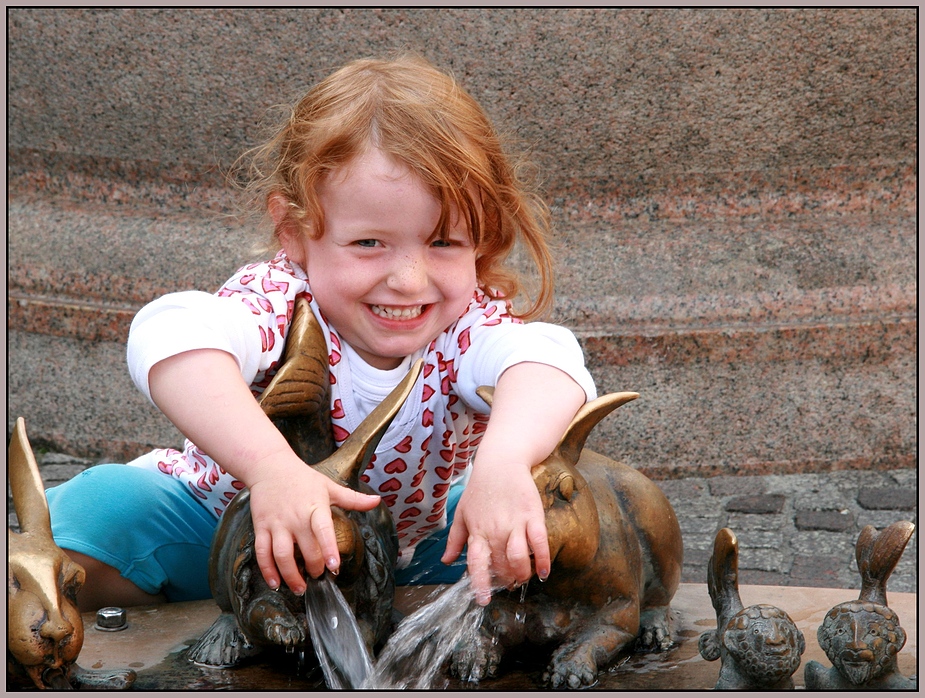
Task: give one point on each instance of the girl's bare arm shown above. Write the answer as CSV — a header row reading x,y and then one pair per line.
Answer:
x,y
500,515
203,394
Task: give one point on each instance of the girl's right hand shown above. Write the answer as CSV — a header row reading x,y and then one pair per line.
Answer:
x,y
291,510
290,502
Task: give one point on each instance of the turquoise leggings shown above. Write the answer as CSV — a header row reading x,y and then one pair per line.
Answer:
x,y
157,535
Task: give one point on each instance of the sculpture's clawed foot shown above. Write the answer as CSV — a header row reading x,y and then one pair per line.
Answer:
x,y
655,630
572,667
222,645
477,659
279,625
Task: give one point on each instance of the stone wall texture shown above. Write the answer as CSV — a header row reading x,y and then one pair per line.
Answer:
x,y
734,192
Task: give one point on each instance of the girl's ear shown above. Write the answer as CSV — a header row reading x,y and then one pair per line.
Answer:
x,y
278,206
287,230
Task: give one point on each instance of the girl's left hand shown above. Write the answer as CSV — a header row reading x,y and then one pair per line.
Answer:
x,y
500,515
500,518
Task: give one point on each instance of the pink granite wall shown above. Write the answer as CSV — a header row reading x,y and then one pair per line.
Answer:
x,y
735,192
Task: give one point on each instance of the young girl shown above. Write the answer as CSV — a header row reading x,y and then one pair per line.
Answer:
x,y
395,209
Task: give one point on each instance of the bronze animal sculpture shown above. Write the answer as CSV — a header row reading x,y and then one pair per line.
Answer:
x,y
255,616
616,550
863,638
759,646
45,631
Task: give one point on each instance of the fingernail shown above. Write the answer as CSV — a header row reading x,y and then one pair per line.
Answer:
x,y
543,575
273,584
333,566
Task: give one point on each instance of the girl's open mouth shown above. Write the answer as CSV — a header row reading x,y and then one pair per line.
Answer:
x,y
397,313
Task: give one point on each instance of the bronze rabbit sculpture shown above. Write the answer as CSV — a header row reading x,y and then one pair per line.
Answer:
x,y
616,549
862,638
45,631
760,646
255,616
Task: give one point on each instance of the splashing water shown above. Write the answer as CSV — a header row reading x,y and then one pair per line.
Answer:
x,y
335,635
419,647
413,656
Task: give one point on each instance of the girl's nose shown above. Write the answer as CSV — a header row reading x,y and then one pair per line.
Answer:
x,y
408,274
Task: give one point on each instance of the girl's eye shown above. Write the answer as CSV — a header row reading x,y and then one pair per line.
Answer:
x,y
366,243
441,243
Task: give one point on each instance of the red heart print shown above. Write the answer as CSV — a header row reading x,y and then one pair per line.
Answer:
x,y
270,285
396,466
390,485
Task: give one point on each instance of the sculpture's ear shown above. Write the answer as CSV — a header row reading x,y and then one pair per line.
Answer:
x,y
26,484
708,646
801,641
900,642
823,631
351,459
587,418
564,486
877,557
723,576
301,386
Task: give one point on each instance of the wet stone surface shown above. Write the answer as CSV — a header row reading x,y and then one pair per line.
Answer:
x,y
158,637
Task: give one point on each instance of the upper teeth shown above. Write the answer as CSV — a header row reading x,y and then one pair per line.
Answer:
x,y
387,312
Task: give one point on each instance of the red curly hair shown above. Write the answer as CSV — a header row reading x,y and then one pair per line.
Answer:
x,y
422,117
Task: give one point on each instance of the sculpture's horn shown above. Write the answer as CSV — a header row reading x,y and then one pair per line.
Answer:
x,y
26,484
586,419
877,556
346,464
723,577
301,386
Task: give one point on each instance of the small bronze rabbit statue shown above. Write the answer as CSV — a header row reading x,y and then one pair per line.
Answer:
x,y
759,646
862,638
45,631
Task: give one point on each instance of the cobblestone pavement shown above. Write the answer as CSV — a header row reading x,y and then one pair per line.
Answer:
x,y
796,530
793,530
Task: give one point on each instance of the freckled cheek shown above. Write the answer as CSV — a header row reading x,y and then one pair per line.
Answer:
x,y
459,280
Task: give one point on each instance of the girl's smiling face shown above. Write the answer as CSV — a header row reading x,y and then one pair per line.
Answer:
x,y
386,282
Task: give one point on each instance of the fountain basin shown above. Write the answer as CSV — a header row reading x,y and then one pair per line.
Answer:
x,y
156,638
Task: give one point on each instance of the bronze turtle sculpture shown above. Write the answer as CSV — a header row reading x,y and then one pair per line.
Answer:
x,y
616,555
254,616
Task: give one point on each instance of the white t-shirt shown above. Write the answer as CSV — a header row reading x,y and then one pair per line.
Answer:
x,y
429,443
